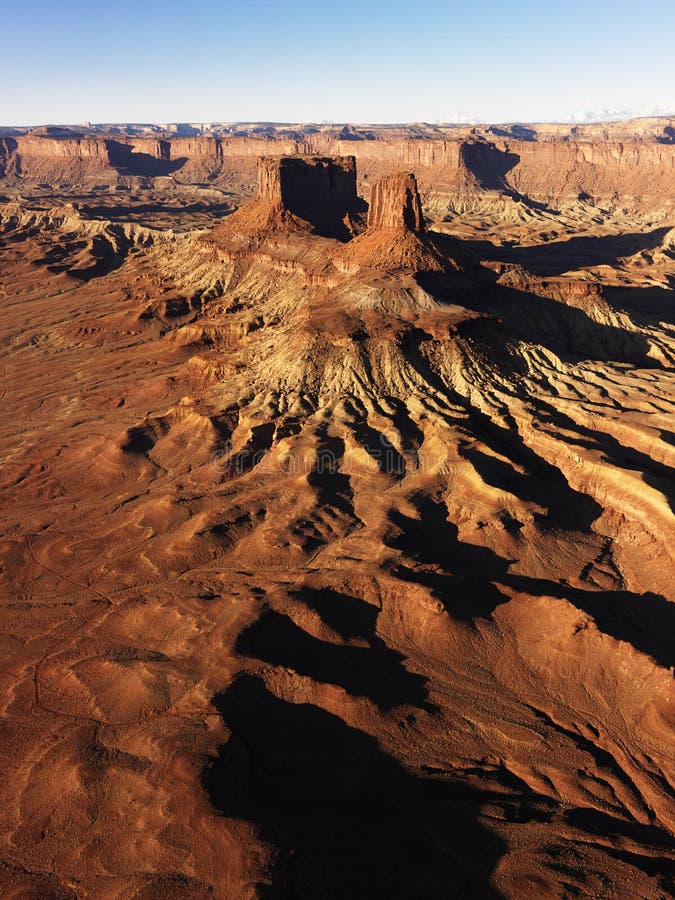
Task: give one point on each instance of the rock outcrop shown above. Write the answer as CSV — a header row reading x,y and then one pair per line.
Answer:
x,y
397,238
317,195
295,181
307,193
395,203
320,190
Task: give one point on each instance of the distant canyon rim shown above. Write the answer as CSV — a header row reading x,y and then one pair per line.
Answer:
x,y
337,537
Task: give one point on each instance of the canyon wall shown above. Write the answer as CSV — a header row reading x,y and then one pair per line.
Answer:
x,y
56,161
550,172
554,171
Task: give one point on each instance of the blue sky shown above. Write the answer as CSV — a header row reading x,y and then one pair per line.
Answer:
x,y
368,61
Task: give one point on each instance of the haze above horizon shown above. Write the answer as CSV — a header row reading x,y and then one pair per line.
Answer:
x,y
373,62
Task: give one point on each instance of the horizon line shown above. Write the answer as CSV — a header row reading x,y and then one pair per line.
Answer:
x,y
343,122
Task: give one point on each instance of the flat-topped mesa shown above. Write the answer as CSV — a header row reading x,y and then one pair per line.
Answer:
x,y
395,204
308,183
320,190
307,193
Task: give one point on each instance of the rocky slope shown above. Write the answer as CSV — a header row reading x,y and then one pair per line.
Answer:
x,y
335,564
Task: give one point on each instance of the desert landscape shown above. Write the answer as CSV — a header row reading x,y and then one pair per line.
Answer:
x,y
337,542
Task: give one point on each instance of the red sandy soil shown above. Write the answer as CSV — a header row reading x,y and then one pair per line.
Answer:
x,y
338,567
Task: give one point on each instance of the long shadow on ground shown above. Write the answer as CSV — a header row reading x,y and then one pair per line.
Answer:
x,y
347,820
461,576
554,258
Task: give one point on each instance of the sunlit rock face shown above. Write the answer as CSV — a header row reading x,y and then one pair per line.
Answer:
x,y
395,204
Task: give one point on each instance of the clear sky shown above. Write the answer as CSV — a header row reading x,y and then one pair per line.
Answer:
x,y
69,61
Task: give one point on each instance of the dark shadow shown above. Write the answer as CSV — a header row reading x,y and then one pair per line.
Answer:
x,y
350,617
516,132
460,576
463,582
432,539
253,452
668,437
105,256
237,527
648,306
657,474
127,161
378,446
530,488
58,258
555,258
542,483
87,259
139,440
130,210
645,621
323,193
374,671
490,166
333,514
411,435
345,818
596,822
463,597
333,488
530,318
375,442
661,866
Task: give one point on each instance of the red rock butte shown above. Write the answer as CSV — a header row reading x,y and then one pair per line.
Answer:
x,y
316,192
303,184
318,195
395,203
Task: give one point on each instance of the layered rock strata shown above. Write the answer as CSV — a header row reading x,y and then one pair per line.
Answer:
x,y
395,203
316,194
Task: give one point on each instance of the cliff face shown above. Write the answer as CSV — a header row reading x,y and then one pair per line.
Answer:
x,y
316,193
196,147
66,148
396,239
7,153
553,171
395,203
313,188
560,171
57,161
